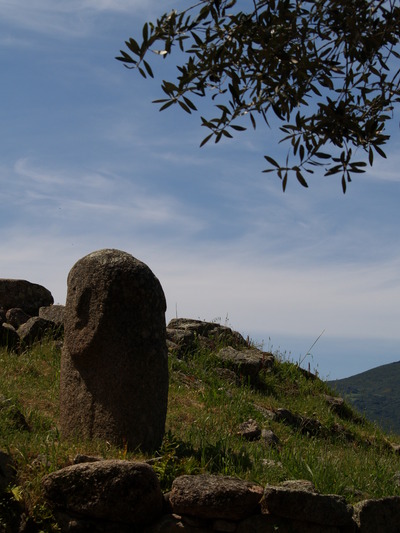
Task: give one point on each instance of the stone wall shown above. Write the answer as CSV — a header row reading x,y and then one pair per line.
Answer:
x,y
124,496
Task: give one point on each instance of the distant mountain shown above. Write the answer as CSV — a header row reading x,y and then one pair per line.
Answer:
x,y
374,393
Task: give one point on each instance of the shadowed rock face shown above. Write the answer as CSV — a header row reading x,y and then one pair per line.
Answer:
x,y
114,369
24,295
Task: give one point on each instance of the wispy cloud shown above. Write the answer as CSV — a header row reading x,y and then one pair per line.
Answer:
x,y
67,18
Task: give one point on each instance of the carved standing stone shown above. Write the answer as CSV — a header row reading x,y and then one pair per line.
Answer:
x,y
114,366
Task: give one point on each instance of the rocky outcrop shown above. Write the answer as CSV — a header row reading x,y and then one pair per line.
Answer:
x,y
21,302
24,295
247,363
186,334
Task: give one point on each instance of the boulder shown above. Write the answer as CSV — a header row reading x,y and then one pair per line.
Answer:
x,y
185,334
112,490
114,363
248,362
378,515
54,313
299,504
34,330
20,293
16,317
8,337
249,430
214,497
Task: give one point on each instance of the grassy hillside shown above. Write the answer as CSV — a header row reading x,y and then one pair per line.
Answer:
x,y
339,453
376,393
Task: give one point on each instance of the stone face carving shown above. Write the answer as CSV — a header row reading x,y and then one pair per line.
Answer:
x,y
114,366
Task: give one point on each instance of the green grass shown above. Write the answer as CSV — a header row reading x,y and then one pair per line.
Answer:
x,y
350,456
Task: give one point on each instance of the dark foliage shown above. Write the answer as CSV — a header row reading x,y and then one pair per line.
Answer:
x,y
327,69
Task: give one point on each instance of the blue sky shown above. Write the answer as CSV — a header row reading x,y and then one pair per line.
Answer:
x,y
88,162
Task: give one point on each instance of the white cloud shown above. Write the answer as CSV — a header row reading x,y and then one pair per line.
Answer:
x,y
70,18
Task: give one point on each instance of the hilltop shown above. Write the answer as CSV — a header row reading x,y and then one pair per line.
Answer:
x,y
375,393
233,410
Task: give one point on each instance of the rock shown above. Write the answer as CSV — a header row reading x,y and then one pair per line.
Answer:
x,y
299,484
54,313
248,362
8,336
16,317
227,375
216,497
2,315
273,524
269,438
186,334
34,330
286,416
171,523
378,515
83,458
20,293
7,471
249,430
15,419
115,491
303,505
114,363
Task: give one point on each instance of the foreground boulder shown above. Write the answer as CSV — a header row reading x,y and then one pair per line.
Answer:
x,y
378,515
216,497
114,364
305,506
107,491
27,296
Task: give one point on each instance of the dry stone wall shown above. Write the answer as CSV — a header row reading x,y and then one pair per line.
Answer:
x,y
124,496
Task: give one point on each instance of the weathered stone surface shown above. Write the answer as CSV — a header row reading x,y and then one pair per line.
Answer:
x,y
216,497
378,515
116,491
54,313
326,510
8,336
184,334
299,484
274,524
20,293
7,470
114,364
249,430
269,438
16,317
248,362
35,329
